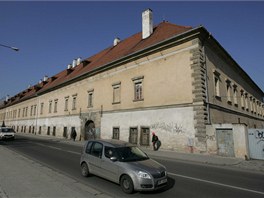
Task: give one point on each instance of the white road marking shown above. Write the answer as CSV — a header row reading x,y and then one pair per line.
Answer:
x,y
60,149
216,183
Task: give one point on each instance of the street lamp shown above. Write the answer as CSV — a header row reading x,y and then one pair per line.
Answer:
x,y
13,48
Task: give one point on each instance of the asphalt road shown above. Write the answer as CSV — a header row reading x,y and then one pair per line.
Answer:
x,y
185,179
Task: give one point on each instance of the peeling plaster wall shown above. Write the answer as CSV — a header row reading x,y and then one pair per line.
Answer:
x,y
174,126
239,135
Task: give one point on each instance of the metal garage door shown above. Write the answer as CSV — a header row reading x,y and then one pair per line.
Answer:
x,y
256,143
225,142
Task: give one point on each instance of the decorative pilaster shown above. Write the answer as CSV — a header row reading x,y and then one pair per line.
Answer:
x,y
199,94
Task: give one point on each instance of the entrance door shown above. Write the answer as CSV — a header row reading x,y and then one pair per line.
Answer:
x,y
89,130
225,142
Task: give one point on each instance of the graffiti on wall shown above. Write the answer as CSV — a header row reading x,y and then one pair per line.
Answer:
x,y
259,135
169,127
210,137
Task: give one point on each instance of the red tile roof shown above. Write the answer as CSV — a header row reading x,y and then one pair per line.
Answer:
x,y
133,44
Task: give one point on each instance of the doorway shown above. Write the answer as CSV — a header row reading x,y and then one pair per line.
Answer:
x,y
89,131
225,142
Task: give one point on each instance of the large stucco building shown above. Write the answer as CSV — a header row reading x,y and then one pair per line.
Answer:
x,y
175,80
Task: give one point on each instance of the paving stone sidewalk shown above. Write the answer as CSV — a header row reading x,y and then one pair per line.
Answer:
x,y
21,177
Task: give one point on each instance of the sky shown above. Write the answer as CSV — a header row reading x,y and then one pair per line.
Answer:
x,y
50,34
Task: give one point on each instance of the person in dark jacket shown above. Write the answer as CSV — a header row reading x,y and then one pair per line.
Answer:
x,y
74,134
155,142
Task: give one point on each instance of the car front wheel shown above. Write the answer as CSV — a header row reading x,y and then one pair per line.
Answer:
x,y
126,184
84,169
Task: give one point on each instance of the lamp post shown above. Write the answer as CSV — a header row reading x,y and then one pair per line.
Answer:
x,y
13,48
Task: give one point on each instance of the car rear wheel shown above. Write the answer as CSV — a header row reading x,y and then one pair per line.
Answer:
x,y
84,169
126,184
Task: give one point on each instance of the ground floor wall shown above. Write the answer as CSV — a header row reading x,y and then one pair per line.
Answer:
x,y
54,126
174,127
229,140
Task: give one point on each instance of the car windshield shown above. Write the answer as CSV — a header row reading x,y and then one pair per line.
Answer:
x,y
7,130
129,154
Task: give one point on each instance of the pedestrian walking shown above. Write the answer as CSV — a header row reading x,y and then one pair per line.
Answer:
x,y
74,134
155,142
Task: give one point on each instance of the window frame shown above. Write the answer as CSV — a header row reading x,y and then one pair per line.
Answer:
x,y
217,81
138,88
116,130
90,98
116,93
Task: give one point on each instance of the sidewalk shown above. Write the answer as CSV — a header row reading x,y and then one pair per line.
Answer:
x,y
21,177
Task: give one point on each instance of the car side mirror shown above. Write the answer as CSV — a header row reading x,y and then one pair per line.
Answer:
x,y
113,159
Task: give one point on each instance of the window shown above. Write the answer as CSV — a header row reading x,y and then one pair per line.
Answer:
x,y
97,149
133,135
26,110
217,84
254,105
138,88
54,131
90,98
56,106
251,103
66,104
31,111
39,132
35,110
50,106
18,113
115,133
65,132
144,136
41,108
74,102
88,148
242,99
48,131
109,152
235,94
116,93
246,101
228,91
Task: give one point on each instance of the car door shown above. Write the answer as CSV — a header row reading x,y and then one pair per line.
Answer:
x,y
109,167
95,158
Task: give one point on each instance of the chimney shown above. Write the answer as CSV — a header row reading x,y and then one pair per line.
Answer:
x,y
74,62
79,60
147,23
116,41
69,66
45,78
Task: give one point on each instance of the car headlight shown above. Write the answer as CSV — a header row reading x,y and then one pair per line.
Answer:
x,y
143,175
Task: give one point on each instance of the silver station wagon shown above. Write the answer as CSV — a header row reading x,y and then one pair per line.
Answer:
x,y
122,163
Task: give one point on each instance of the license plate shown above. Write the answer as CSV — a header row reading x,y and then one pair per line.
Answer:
x,y
163,181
